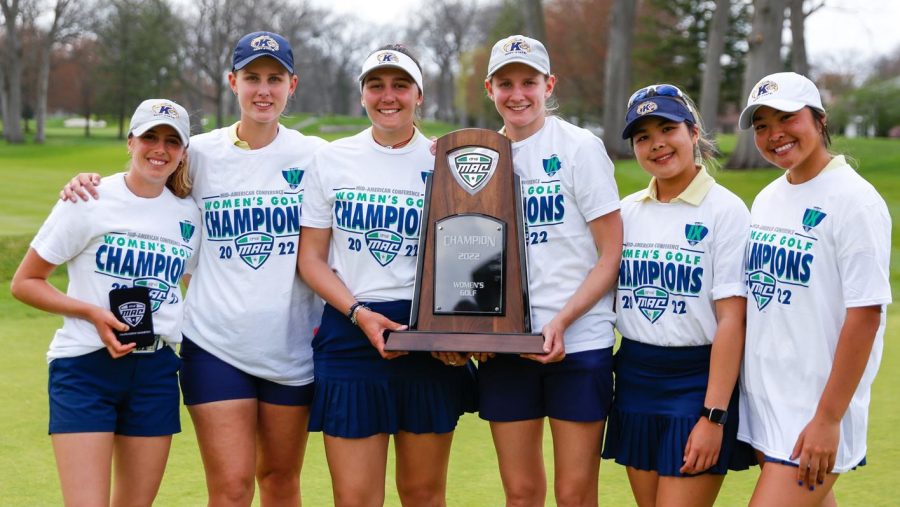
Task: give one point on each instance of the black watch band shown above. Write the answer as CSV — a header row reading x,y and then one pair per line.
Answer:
x,y
354,309
716,415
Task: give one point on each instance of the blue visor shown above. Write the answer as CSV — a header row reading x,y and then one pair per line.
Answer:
x,y
670,108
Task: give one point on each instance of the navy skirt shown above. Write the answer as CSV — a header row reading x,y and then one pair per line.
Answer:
x,y
659,392
360,394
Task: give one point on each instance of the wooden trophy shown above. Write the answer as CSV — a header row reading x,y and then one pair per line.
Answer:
x,y
471,281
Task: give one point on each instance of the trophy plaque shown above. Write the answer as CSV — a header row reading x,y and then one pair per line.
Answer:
x,y
471,282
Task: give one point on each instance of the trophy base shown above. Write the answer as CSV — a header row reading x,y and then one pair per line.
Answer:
x,y
436,341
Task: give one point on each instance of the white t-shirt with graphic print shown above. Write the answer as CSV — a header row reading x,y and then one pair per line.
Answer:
x,y
371,197
815,250
677,260
567,181
245,303
121,240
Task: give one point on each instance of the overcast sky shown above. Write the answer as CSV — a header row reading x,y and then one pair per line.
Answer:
x,y
842,34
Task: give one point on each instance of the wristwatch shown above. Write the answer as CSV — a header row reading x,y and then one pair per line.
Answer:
x,y
354,309
716,415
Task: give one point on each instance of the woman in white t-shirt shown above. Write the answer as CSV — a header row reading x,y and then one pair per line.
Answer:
x,y
680,309
818,282
247,374
109,393
362,214
574,238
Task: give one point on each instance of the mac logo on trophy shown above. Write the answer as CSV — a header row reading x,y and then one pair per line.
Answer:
x,y
471,284
473,167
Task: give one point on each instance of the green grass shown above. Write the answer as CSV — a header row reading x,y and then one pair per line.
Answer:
x,y
32,176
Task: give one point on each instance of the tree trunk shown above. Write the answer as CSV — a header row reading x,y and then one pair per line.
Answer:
x,y
61,10
618,76
712,72
764,58
3,95
12,128
40,110
534,19
87,94
799,62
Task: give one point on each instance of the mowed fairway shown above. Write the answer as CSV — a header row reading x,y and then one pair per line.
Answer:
x,y
32,176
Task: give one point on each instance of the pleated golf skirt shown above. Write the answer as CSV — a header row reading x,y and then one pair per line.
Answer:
x,y
359,394
659,393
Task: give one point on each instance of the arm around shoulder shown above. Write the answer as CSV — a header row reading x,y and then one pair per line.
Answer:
x,y
82,186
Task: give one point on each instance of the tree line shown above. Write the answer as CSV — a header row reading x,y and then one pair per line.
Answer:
x,y
101,57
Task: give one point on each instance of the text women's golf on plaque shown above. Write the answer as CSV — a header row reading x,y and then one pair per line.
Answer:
x,y
472,283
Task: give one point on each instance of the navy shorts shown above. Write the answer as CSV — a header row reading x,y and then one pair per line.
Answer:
x,y
135,395
578,388
205,378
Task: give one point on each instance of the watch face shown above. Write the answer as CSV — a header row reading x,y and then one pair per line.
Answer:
x,y
718,415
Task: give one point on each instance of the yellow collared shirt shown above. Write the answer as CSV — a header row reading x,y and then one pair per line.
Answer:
x,y
233,135
694,193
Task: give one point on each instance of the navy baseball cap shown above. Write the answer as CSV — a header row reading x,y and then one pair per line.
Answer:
x,y
257,44
670,108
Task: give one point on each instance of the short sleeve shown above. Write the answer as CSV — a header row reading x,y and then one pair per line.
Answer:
x,y
732,228
316,209
593,182
191,265
862,239
65,233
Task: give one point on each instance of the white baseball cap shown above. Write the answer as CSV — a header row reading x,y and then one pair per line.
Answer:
x,y
153,112
388,58
519,49
784,91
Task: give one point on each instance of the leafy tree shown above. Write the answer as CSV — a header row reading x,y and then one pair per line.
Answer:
x,y
138,42
875,105
672,40
668,43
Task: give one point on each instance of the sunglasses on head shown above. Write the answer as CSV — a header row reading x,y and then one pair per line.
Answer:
x,y
659,90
